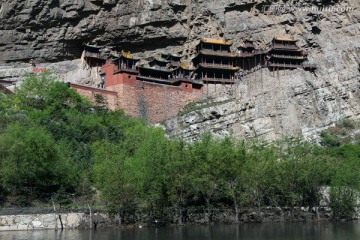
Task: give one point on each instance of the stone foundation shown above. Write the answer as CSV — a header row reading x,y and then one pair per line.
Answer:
x,y
191,216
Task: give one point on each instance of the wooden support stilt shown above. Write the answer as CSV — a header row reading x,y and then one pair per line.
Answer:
x,y
255,74
273,70
261,76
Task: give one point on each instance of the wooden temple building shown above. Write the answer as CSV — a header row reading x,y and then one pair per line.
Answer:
x,y
247,49
119,68
125,62
168,70
123,68
94,55
158,72
285,54
214,62
160,88
249,57
173,59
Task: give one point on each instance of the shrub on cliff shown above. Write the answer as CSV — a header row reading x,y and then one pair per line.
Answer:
x,y
31,164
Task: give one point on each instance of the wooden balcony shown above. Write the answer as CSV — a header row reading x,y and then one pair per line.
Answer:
x,y
127,70
285,65
287,56
219,66
217,53
286,47
94,55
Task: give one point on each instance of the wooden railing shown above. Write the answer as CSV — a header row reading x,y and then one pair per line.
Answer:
x,y
154,78
285,65
287,56
133,69
218,53
161,68
282,46
218,65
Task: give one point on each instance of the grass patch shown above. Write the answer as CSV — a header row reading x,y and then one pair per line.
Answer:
x,y
205,103
344,132
347,124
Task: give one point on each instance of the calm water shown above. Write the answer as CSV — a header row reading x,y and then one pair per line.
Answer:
x,y
298,231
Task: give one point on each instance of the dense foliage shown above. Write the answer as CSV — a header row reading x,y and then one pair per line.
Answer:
x,y
55,144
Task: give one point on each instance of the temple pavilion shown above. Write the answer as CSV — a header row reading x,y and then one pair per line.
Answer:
x,y
125,62
214,61
173,59
249,57
93,55
285,54
158,71
247,49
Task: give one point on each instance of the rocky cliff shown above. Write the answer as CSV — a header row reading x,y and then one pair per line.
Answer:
x,y
263,104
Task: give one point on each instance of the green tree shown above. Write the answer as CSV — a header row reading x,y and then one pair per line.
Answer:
x,y
147,170
259,174
31,164
233,156
345,184
111,176
178,169
206,174
302,173
34,91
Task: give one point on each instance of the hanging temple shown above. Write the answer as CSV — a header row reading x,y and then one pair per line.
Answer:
x,y
159,90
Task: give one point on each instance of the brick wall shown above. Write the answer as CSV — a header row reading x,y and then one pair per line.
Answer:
x,y
110,97
153,101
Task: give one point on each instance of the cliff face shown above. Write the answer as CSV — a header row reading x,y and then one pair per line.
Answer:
x,y
269,105
52,30
262,104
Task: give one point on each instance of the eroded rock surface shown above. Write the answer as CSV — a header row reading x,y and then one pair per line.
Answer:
x,y
295,102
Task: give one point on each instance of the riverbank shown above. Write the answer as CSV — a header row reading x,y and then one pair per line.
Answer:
x,y
83,220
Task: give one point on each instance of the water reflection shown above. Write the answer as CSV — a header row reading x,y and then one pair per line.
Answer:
x,y
274,231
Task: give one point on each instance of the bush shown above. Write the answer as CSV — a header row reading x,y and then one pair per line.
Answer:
x,y
327,140
343,202
346,123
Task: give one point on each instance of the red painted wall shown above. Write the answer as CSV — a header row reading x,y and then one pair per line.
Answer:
x,y
155,102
